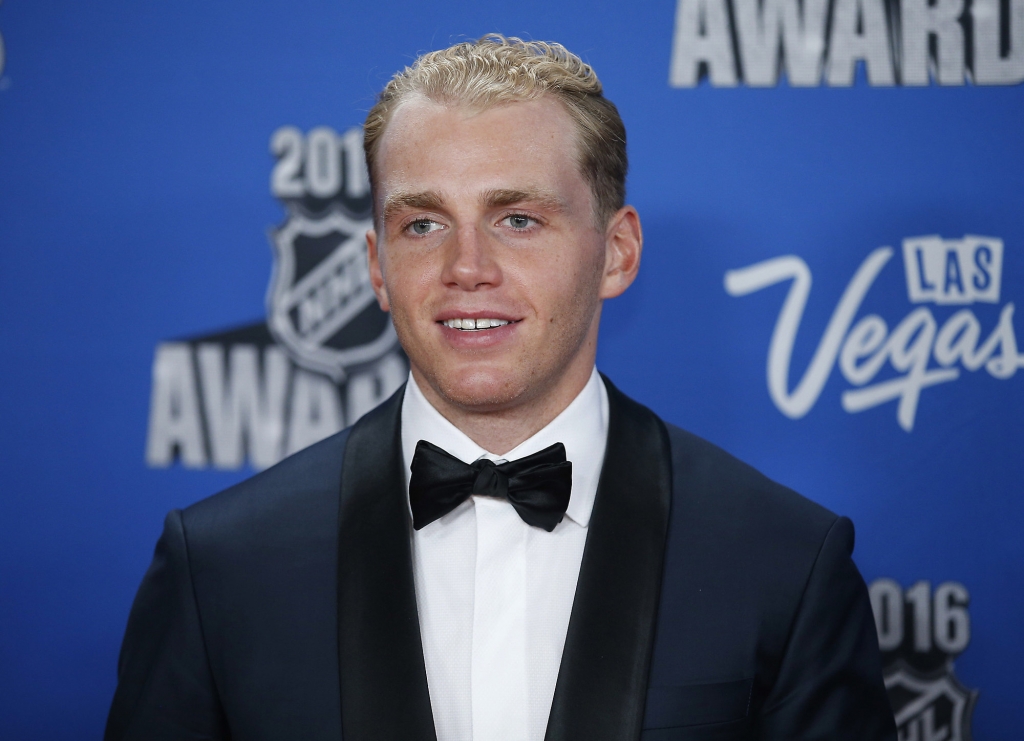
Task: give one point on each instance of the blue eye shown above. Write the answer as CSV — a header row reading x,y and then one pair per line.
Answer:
x,y
519,221
423,226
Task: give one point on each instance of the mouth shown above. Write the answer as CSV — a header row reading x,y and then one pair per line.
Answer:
x,y
476,325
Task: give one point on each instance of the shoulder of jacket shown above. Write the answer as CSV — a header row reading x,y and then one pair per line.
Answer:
x,y
712,482
303,485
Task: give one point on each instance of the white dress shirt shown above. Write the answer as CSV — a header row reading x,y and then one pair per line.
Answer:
x,y
494,594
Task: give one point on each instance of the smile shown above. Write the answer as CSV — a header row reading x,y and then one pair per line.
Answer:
x,y
474,325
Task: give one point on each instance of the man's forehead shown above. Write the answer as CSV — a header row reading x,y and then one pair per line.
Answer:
x,y
433,154
423,122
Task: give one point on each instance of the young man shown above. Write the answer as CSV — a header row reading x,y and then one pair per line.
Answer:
x,y
509,548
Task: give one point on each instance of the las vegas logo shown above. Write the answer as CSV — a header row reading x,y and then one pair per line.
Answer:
x,y
944,272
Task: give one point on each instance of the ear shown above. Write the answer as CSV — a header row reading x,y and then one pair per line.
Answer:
x,y
376,274
624,241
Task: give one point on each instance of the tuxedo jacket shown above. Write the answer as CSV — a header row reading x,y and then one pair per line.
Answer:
x,y
712,603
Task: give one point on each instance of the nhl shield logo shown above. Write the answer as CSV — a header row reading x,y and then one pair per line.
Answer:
x,y
921,631
320,304
930,708
323,355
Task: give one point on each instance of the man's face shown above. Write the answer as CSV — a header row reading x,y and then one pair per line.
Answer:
x,y
485,220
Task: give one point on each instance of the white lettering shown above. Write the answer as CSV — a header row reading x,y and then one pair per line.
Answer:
x,y
323,162
790,267
243,404
864,339
763,26
938,618
286,144
357,180
990,66
859,31
174,422
887,606
702,37
1005,364
908,42
867,346
318,164
908,349
920,22
953,271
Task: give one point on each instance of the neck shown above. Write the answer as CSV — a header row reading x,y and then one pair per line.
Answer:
x,y
500,430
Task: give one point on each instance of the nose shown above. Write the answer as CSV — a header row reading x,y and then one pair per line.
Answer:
x,y
470,263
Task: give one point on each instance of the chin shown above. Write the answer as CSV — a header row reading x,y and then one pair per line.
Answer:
x,y
482,389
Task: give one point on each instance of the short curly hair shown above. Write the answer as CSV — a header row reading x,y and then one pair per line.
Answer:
x,y
495,70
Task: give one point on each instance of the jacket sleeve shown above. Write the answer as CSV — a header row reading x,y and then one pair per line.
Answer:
x,y
829,684
165,689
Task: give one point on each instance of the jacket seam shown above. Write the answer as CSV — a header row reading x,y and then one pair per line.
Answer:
x,y
199,621
796,613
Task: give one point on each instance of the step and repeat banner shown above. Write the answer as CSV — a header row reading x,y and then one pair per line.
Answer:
x,y
832,193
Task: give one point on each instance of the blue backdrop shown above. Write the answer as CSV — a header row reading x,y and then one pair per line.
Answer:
x,y
834,248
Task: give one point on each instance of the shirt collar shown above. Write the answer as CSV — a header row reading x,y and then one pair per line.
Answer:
x,y
582,427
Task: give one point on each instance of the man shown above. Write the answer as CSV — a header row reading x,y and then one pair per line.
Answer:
x,y
509,548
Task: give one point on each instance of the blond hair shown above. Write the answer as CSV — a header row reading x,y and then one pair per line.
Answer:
x,y
495,70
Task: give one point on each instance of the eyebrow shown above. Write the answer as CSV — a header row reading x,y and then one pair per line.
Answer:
x,y
511,196
431,200
427,200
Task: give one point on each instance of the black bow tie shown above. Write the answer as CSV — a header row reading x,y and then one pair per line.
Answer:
x,y
537,486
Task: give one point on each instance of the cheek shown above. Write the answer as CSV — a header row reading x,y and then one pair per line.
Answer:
x,y
572,284
565,304
405,284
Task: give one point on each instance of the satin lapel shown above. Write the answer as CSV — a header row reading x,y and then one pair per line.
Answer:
x,y
383,680
602,681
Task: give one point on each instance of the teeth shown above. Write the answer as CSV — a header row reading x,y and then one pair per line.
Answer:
x,y
475,323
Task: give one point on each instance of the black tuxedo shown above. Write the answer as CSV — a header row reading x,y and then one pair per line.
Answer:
x,y
712,603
